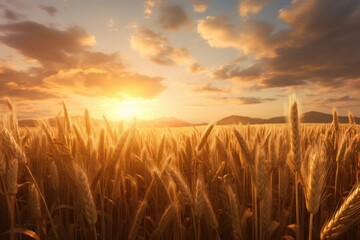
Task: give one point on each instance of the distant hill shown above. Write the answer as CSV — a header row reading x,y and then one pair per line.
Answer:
x,y
160,122
163,122
308,117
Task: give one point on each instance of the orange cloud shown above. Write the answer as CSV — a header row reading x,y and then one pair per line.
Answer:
x,y
247,7
253,37
148,7
67,65
158,49
199,6
104,81
208,88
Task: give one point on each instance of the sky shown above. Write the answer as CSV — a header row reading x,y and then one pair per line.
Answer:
x,y
196,60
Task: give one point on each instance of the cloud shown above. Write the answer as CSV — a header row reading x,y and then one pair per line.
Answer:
x,y
23,84
67,64
104,81
172,17
148,7
319,49
235,72
342,102
208,88
11,15
199,6
252,37
51,47
110,24
158,49
246,100
345,98
324,47
247,7
196,68
49,9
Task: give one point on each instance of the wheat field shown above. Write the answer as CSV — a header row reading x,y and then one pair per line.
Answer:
x,y
76,180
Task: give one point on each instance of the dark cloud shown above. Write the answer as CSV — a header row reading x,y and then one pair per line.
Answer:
x,y
49,9
324,49
342,99
172,16
11,15
51,47
320,48
234,71
67,64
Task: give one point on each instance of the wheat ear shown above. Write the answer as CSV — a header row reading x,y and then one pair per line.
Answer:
x,y
246,150
205,136
335,120
34,202
234,213
181,184
199,198
295,148
2,165
9,144
351,118
344,218
11,176
86,196
54,176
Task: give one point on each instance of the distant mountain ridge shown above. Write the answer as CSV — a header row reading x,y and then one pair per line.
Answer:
x,y
308,117
159,122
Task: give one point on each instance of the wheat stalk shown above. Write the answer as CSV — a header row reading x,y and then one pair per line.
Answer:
x,y
199,198
2,165
10,145
212,219
164,221
234,213
205,136
335,119
87,122
12,176
351,118
344,218
246,150
86,196
34,202
140,212
181,184
54,176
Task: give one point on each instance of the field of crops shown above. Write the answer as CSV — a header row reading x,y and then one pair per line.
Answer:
x,y
78,181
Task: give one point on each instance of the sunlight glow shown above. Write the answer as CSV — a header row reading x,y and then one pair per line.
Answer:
x,y
126,109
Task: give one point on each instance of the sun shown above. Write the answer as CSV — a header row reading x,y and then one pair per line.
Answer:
x,y
126,109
